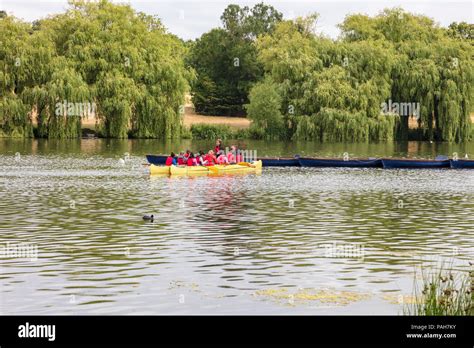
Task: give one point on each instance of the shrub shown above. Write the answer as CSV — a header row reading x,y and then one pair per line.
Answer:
x,y
264,110
186,133
211,132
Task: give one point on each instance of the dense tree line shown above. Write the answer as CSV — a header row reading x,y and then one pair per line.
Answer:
x,y
291,81
318,88
121,62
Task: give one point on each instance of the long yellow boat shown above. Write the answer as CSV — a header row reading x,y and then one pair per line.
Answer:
x,y
185,170
204,170
160,170
236,168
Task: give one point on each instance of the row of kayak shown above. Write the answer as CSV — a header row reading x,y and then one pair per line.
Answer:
x,y
386,163
253,167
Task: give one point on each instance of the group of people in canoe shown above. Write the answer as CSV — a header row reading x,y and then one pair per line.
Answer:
x,y
212,157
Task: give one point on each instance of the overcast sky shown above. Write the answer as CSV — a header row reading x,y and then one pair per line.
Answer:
x,y
190,18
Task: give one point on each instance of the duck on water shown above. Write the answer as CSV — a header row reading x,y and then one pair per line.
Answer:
x,y
148,218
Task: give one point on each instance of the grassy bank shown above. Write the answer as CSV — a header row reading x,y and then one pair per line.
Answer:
x,y
234,123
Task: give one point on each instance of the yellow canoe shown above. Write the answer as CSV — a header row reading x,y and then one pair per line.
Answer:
x,y
185,170
159,169
200,170
237,168
177,170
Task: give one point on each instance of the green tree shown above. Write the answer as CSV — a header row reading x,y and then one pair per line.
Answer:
x,y
462,31
330,90
15,74
431,68
96,53
225,60
264,109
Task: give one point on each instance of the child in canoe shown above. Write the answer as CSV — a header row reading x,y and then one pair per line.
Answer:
x,y
192,160
234,155
200,158
171,160
218,146
181,159
222,158
210,159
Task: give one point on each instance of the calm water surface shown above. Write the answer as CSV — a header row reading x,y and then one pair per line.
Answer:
x,y
291,240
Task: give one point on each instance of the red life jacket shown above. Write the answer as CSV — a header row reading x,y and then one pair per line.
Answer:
x,y
190,162
222,159
169,161
211,160
180,161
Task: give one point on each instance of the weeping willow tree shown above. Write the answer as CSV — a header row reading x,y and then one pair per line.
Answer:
x,y
330,91
335,89
14,75
61,103
122,62
432,67
454,99
125,64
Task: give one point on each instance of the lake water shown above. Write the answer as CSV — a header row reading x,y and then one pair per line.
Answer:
x,y
288,241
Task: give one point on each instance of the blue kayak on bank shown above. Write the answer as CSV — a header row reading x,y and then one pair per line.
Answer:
x,y
323,162
462,164
414,164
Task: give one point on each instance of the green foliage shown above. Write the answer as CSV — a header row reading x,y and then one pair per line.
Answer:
x,y
294,83
250,22
224,67
340,126
462,31
211,132
443,292
14,75
264,109
186,133
96,53
429,67
14,121
225,60
334,89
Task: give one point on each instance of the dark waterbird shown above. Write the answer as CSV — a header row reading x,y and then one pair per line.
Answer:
x,y
148,218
